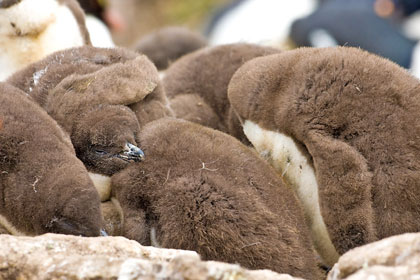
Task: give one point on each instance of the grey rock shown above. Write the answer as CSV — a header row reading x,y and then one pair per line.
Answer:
x,y
396,257
53,256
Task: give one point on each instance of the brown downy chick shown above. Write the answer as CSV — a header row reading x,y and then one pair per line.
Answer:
x,y
85,90
167,44
341,124
193,108
32,29
92,75
154,106
206,73
200,189
105,139
43,186
95,76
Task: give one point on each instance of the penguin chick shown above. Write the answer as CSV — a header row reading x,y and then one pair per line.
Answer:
x,y
339,124
154,106
200,189
32,29
86,72
193,108
43,186
167,44
105,139
206,73
97,75
75,88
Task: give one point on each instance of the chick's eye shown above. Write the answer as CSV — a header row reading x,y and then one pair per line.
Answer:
x,y
100,152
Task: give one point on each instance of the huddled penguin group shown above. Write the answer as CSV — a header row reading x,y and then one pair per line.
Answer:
x,y
74,87
189,193
197,83
247,154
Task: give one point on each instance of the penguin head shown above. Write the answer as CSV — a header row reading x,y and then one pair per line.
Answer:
x,y
105,139
257,80
21,18
75,209
32,29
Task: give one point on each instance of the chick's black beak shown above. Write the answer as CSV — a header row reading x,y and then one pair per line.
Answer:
x,y
103,232
132,153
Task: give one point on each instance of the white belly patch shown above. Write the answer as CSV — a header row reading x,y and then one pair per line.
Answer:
x,y
282,153
102,184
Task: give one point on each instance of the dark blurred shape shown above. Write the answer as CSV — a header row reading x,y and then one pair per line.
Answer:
x,y
4,4
408,7
368,24
220,13
168,44
102,10
93,7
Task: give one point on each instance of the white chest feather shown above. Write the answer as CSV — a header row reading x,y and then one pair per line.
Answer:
x,y
31,30
283,154
102,184
100,36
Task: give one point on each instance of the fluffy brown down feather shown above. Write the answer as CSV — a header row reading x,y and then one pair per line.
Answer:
x,y
167,44
84,88
205,74
200,189
43,186
355,116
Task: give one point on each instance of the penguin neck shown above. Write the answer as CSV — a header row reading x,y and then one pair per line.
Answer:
x,y
102,184
283,154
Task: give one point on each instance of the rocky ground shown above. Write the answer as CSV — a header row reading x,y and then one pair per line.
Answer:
x,y
53,256
397,257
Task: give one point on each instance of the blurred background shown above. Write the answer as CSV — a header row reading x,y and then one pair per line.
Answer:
x,y
144,16
390,28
